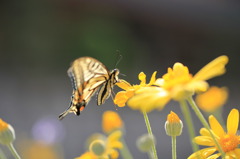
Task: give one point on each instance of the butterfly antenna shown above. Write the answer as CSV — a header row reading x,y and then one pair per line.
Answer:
x,y
118,59
122,74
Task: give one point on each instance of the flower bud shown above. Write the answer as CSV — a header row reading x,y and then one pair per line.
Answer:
x,y
173,125
145,142
7,134
97,147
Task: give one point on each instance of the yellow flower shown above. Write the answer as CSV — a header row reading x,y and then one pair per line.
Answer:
x,y
229,141
104,149
39,150
180,83
211,100
122,97
177,84
111,121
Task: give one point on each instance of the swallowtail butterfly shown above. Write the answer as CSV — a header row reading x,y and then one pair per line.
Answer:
x,y
87,76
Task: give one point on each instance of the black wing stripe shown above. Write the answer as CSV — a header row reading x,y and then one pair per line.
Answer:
x,y
104,92
101,94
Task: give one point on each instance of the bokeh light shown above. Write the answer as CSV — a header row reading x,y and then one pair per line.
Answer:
x,y
48,130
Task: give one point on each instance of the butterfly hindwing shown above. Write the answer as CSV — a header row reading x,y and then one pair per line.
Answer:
x,y
106,88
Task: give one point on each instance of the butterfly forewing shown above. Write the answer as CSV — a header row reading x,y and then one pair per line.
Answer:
x,y
87,75
91,68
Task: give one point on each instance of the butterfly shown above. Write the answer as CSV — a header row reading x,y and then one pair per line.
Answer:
x,y
87,76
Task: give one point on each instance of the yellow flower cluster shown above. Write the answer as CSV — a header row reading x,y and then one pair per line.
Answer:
x,y
122,97
102,147
177,84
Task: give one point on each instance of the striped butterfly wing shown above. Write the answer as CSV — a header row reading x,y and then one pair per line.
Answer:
x,y
86,68
86,75
106,88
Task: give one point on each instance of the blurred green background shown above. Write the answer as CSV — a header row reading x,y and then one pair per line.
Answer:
x,y
39,40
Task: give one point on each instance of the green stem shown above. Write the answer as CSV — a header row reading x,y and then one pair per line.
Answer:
x,y
125,151
150,155
190,126
154,151
13,151
205,124
174,149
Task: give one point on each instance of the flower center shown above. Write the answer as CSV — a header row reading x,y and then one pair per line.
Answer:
x,y
229,142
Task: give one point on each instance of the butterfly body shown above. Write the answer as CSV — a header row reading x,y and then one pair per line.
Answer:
x,y
87,76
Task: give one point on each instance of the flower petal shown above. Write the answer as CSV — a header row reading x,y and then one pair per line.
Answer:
x,y
142,78
233,121
124,84
113,139
153,78
204,132
149,98
122,97
203,154
215,156
197,86
159,82
216,126
204,140
231,155
115,135
212,69
114,154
